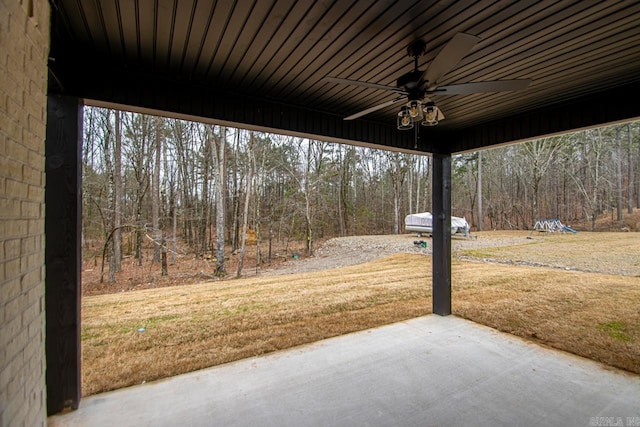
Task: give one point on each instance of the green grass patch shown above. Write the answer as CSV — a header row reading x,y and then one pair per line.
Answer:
x,y
156,320
475,253
86,335
491,252
616,330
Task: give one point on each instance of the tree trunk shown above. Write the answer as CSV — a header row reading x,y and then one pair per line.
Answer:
x,y
397,172
618,175
112,262
341,224
111,200
174,243
555,190
411,184
139,231
307,211
165,270
354,210
479,195
245,212
220,153
259,191
631,171
418,181
118,195
638,185
169,197
536,191
206,205
235,208
309,227
340,200
270,240
396,210
155,192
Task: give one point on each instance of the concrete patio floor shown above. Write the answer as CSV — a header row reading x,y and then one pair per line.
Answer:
x,y
428,371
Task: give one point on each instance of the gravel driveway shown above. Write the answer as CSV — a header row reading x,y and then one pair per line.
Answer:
x,y
345,251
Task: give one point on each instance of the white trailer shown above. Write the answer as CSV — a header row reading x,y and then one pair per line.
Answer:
x,y
422,223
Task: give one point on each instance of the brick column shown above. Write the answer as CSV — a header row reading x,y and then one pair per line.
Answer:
x,y
24,47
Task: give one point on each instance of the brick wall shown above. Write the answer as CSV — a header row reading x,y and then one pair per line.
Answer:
x,y
24,46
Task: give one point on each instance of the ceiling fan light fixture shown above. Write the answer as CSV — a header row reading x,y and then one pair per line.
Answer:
x,y
414,109
430,114
416,85
404,119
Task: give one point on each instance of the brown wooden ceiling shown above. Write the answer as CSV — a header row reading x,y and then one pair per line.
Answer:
x,y
261,63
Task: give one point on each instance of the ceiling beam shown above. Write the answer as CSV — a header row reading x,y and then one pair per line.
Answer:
x,y
144,93
137,92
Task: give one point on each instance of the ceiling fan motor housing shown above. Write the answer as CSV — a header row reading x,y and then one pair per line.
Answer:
x,y
411,80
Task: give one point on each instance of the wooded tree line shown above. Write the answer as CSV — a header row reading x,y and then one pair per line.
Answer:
x,y
571,177
164,180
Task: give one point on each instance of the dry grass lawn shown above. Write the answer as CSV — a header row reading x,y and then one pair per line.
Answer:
x,y
191,327
613,253
196,326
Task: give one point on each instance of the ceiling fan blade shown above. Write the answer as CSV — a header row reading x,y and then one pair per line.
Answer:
x,y
481,87
452,53
376,108
364,84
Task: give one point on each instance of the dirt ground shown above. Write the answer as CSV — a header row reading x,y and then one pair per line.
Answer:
x,y
186,269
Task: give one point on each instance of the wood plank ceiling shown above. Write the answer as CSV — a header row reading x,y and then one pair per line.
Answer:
x,y
264,55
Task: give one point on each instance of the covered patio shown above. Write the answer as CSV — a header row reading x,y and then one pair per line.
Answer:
x,y
301,68
430,370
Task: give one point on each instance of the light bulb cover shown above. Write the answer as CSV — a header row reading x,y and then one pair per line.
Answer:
x,y
414,108
404,119
430,114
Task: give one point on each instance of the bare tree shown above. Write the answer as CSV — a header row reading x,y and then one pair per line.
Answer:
x,y
479,191
207,159
220,142
108,161
155,191
397,170
618,161
236,178
638,160
118,194
539,156
247,198
631,168
169,189
589,178
308,209
138,151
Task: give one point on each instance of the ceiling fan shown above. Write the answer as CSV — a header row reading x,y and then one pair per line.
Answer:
x,y
415,87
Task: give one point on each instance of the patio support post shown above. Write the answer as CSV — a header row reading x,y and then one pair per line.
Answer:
x,y
63,257
441,250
